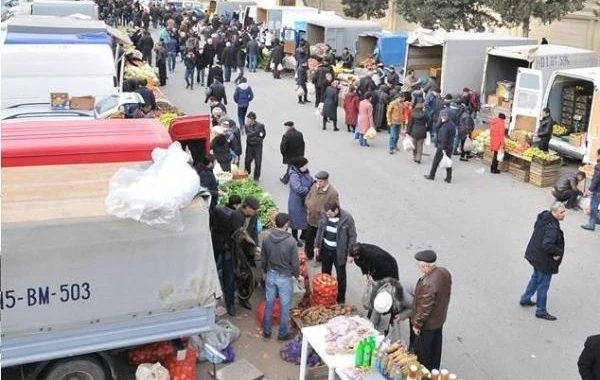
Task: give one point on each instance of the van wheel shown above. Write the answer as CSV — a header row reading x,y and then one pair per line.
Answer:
x,y
76,369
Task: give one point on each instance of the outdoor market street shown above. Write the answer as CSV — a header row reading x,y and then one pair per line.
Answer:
x,y
479,226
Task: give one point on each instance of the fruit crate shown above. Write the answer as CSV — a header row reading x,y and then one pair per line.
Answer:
x,y
575,139
519,168
544,173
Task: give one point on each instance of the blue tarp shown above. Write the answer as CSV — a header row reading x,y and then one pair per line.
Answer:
x,y
48,39
391,47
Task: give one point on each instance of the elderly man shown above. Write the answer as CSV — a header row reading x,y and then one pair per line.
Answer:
x,y
320,193
566,188
545,253
430,307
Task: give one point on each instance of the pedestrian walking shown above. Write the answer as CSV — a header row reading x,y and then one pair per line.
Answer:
x,y
146,44
255,135
301,80
228,60
300,184
594,193
172,50
444,140
241,64
320,193
217,91
201,65
190,64
243,95
330,105
161,62
374,262
365,118
351,102
335,235
214,73
589,360
221,147
379,109
417,130
566,189
252,50
277,56
465,128
320,80
496,140
430,308
545,254
292,146
396,121
281,266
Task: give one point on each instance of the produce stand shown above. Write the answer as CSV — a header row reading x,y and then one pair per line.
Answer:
x,y
544,173
246,187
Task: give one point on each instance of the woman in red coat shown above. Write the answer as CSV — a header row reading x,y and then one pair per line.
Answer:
x,y
496,140
365,118
351,108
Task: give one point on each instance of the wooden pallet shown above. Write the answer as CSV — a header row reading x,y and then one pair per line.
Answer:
x,y
544,174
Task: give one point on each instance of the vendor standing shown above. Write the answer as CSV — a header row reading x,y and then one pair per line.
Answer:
x,y
544,132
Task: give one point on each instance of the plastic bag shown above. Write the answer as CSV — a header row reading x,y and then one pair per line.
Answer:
x,y
367,294
154,194
279,67
148,371
428,139
371,134
468,147
311,88
319,109
272,65
299,91
223,334
407,144
500,156
298,292
446,162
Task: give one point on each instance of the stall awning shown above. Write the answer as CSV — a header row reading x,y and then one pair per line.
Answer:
x,y
118,35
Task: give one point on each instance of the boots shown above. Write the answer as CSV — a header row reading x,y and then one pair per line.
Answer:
x,y
300,101
448,175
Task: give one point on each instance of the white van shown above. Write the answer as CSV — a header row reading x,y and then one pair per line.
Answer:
x,y
65,8
30,72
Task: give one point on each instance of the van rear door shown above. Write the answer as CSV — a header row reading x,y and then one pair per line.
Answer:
x,y
527,104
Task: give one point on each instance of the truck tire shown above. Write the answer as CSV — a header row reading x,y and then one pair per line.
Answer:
x,y
76,369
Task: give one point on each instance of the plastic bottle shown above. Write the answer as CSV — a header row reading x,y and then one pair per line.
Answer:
x,y
358,358
367,352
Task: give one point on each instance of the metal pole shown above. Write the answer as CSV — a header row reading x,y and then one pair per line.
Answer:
x,y
320,6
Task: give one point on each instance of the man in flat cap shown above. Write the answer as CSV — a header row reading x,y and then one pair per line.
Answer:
x,y
320,193
430,307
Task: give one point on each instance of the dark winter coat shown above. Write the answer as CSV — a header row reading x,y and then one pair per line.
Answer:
x,y
277,55
218,91
300,184
589,360
252,47
243,95
320,77
374,261
445,136
544,132
215,72
380,107
292,145
255,134
366,84
146,43
547,241
302,77
595,183
466,125
417,126
229,58
209,181
221,148
209,54
330,103
346,235
201,61
221,228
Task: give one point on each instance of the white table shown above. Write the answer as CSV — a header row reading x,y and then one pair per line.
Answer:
x,y
315,335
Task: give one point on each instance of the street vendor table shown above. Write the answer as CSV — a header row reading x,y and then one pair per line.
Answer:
x,y
315,336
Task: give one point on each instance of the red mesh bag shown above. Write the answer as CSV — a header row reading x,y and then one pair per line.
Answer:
x,y
324,290
260,312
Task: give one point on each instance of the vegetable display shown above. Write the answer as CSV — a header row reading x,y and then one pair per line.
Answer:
x,y
166,118
150,353
247,187
344,333
559,130
182,369
317,315
538,153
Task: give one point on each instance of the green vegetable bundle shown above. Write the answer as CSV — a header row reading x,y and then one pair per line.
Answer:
x,y
248,187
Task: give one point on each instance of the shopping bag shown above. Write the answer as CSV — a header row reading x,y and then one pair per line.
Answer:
x,y
500,156
149,371
446,162
407,144
298,292
279,67
272,65
311,88
468,147
299,91
367,294
319,109
371,134
428,139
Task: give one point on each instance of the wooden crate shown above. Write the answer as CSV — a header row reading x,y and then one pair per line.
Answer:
x,y
519,168
576,139
544,174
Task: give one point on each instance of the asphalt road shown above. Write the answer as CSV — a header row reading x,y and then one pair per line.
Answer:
x,y
479,225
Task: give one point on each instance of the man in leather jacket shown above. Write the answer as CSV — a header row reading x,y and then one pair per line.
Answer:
x,y
544,132
429,310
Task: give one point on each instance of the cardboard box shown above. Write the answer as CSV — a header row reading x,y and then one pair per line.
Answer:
x,y
59,100
435,72
506,104
82,103
493,99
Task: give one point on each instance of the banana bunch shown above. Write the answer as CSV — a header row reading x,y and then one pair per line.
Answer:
x,y
559,130
166,118
538,153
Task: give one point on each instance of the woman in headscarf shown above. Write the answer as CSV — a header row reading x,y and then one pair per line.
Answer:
x,y
300,183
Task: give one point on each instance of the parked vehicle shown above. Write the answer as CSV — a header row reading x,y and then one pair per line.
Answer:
x,y
65,8
391,47
338,33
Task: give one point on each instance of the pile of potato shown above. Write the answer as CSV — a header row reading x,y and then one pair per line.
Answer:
x,y
318,315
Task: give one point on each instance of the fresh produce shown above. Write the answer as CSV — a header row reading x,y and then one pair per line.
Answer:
x,y
344,333
317,315
182,369
260,312
481,141
144,70
166,118
396,360
559,130
150,353
538,153
324,288
248,187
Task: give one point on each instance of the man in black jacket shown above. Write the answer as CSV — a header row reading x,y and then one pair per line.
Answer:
x,y
217,91
292,146
301,80
208,179
229,60
214,73
255,134
320,81
545,253
146,44
374,262
277,55
444,140
589,360
544,132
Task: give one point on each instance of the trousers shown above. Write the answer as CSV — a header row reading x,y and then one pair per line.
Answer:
x,y
328,262
428,347
253,153
439,153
